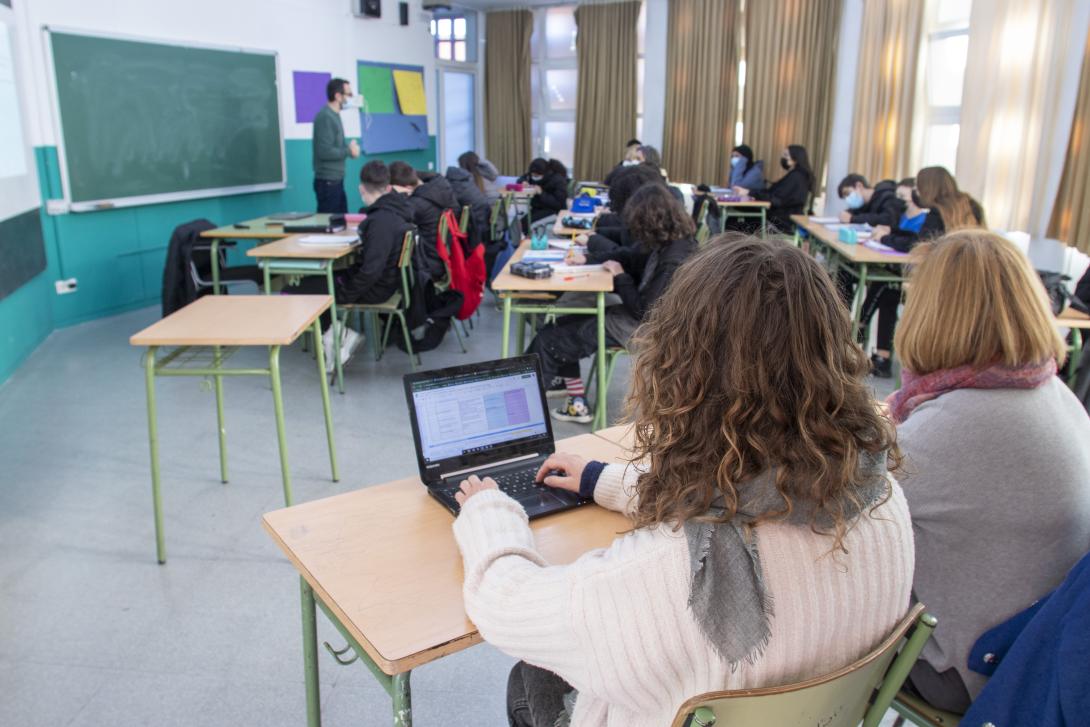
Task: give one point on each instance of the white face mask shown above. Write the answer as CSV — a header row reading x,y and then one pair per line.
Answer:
x,y
735,161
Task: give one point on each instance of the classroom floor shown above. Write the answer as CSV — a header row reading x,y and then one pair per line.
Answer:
x,y
94,632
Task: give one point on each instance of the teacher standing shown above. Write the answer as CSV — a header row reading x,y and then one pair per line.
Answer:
x,y
330,149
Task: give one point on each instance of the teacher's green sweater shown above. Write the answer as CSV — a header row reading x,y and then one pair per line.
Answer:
x,y
330,149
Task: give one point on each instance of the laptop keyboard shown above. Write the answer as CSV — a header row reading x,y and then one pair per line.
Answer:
x,y
519,483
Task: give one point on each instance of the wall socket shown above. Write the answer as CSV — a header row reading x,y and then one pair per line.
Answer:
x,y
64,287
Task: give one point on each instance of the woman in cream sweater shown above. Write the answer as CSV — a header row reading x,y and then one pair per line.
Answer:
x,y
769,543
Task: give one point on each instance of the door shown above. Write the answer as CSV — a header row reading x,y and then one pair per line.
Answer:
x,y
457,115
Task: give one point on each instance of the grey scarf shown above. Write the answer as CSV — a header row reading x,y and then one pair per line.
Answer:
x,y
727,592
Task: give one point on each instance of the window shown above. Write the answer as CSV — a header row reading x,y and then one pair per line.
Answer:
x,y
455,36
554,82
944,54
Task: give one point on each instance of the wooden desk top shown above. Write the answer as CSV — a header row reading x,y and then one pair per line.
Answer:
x,y
582,282
753,203
858,253
1071,318
620,435
291,248
262,228
236,320
384,561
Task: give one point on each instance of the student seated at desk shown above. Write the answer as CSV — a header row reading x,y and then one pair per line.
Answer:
x,y
468,182
788,195
373,277
874,206
552,196
640,275
744,171
611,231
948,209
481,173
996,450
769,543
630,159
428,200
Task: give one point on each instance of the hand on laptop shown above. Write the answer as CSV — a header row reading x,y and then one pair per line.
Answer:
x,y
474,485
569,465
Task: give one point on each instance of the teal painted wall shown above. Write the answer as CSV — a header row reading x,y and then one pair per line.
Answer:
x,y
117,255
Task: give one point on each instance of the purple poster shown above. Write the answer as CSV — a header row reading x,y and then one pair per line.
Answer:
x,y
309,94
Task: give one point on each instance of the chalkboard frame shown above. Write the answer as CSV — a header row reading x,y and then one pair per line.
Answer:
x,y
112,203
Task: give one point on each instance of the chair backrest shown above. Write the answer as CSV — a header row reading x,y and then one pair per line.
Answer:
x,y
497,221
405,264
463,221
839,699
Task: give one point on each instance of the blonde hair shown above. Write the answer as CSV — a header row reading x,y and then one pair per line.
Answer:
x,y
974,300
938,191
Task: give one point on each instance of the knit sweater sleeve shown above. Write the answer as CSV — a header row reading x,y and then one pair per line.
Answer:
x,y
616,488
519,603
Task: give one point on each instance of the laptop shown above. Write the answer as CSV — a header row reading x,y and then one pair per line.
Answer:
x,y
488,419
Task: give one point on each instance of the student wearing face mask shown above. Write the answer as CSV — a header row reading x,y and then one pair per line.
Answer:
x,y
552,196
744,171
330,149
947,208
790,194
629,160
874,206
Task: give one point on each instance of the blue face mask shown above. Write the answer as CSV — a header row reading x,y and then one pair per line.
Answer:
x,y
735,161
854,200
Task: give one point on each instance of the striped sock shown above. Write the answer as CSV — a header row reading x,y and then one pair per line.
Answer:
x,y
575,387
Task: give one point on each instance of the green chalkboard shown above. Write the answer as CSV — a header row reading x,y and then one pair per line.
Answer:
x,y
146,122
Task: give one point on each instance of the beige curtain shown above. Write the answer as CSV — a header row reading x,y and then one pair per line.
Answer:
x,y
1016,109
605,116
701,106
507,134
885,89
790,78
1071,214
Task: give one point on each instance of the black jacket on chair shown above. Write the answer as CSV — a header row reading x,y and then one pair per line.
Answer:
x,y
179,289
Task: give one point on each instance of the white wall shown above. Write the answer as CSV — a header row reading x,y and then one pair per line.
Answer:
x,y
18,190
309,35
847,60
654,73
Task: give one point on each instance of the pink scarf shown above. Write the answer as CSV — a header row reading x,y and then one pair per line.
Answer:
x,y
915,390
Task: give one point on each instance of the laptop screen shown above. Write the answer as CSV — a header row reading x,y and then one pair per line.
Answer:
x,y
473,412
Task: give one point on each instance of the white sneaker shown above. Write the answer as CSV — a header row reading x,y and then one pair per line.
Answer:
x,y
350,341
327,348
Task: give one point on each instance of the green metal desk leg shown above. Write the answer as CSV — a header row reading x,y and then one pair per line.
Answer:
x,y
403,704
316,327
1075,357
338,330
860,296
268,277
600,409
506,342
310,652
215,266
217,361
153,442
278,407
764,223
520,333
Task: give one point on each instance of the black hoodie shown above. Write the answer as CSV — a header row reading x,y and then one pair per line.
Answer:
x,y
884,207
428,202
374,276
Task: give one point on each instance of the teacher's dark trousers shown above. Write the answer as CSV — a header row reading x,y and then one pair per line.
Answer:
x,y
331,196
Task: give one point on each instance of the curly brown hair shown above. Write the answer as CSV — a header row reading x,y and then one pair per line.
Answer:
x,y
655,217
748,362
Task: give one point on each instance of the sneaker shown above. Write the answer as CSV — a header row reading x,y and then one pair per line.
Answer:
x,y
575,409
556,388
350,341
881,367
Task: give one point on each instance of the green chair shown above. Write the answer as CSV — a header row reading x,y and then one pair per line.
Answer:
x,y
860,691
394,307
918,712
613,353
444,284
